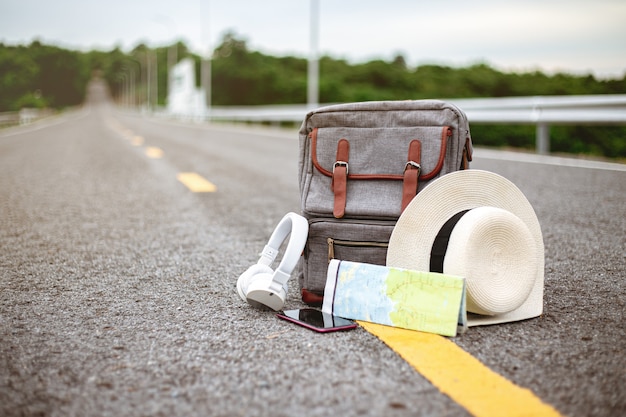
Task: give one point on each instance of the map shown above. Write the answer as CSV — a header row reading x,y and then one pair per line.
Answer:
x,y
425,301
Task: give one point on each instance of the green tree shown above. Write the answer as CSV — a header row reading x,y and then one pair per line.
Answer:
x,y
18,79
62,76
243,77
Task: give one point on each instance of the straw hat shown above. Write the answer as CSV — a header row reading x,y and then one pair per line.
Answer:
x,y
478,225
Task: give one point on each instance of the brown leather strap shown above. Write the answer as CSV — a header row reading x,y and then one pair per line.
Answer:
x,y
467,154
424,176
464,161
340,178
411,173
311,298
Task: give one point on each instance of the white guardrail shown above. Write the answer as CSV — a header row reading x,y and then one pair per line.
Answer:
x,y
24,116
541,111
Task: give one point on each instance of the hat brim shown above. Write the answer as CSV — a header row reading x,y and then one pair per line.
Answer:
x,y
415,232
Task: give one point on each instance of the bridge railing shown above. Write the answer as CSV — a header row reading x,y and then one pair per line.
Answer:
x,y
541,111
544,111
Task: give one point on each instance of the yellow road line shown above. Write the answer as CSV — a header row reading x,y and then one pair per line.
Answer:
x,y
456,373
137,140
196,183
153,152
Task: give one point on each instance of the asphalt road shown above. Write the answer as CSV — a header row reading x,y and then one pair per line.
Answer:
x,y
117,284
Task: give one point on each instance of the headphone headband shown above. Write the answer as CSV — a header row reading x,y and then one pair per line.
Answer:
x,y
296,226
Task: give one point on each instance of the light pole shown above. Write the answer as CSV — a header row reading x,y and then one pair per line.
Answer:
x,y
205,69
132,88
124,94
313,67
153,78
172,51
151,72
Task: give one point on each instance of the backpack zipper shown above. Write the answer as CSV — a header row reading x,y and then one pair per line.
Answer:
x,y
349,243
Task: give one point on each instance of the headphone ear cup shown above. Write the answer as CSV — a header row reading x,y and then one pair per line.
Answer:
x,y
259,295
249,276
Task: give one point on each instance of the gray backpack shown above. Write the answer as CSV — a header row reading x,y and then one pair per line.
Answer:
x,y
360,165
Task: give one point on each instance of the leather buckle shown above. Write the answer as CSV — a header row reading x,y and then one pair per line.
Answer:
x,y
340,164
414,165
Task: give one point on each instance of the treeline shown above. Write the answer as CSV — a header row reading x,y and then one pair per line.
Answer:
x,y
48,76
41,76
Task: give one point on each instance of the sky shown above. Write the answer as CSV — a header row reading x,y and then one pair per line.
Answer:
x,y
572,36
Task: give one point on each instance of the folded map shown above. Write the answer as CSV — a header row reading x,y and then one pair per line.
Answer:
x,y
425,301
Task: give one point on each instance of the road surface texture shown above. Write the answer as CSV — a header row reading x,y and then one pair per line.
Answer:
x,y
117,283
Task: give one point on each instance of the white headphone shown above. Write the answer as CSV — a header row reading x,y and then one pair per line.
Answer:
x,y
262,287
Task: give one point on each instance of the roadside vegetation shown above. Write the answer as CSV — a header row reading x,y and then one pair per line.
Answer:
x,y
46,76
